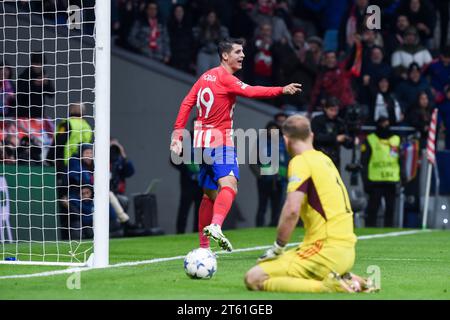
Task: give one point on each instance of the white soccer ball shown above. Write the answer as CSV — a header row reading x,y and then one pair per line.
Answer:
x,y
200,264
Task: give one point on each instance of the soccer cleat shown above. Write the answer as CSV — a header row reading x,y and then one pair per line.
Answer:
x,y
213,231
334,283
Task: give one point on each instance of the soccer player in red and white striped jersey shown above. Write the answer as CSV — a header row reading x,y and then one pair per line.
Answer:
x,y
214,94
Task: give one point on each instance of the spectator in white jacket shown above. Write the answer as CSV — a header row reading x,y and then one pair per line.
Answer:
x,y
385,104
410,51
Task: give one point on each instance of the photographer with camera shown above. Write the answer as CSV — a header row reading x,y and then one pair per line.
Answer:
x,y
330,131
121,168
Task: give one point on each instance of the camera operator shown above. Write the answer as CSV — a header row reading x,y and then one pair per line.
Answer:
x,y
121,168
330,131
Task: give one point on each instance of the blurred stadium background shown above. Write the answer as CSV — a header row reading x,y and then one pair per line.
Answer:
x,y
150,74
148,86
146,92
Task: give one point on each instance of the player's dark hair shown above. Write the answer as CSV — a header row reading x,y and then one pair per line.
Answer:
x,y
297,127
226,45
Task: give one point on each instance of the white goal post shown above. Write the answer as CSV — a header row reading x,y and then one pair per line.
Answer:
x,y
102,116
55,86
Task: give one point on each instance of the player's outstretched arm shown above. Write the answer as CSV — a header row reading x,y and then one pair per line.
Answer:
x,y
289,216
234,85
292,88
183,114
288,221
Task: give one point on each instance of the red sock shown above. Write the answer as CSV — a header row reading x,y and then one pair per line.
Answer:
x,y
205,215
222,205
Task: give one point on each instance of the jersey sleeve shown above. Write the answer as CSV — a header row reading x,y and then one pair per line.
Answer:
x,y
299,174
185,109
239,88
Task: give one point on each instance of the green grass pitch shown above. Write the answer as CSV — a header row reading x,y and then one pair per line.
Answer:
x,y
415,266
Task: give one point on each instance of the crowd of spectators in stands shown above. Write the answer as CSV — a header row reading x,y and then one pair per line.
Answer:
x,y
22,105
325,45
397,73
62,12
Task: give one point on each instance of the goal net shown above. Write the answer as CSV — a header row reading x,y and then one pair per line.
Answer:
x,y
49,107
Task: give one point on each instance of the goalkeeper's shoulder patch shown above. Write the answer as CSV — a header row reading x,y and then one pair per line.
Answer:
x,y
294,179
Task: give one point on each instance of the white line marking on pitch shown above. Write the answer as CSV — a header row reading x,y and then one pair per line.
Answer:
x,y
403,259
157,260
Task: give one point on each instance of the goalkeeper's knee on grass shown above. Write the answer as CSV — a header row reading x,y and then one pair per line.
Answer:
x,y
254,279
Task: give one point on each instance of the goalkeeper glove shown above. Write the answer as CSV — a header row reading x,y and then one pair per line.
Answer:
x,y
272,253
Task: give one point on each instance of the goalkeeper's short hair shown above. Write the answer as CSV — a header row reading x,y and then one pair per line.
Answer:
x,y
297,127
